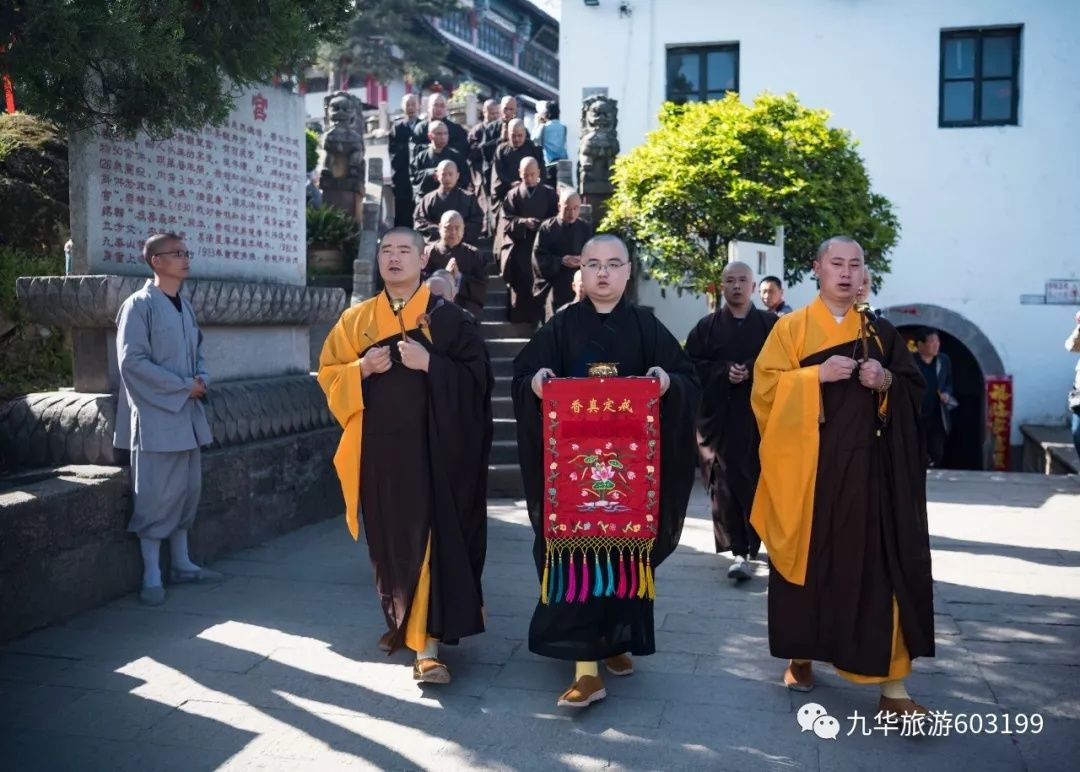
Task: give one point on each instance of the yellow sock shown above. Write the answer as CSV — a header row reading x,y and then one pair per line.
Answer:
x,y
585,668
895,690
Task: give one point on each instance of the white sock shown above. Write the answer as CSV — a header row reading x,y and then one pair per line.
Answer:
x,y
430,650
151,559
895,690
179,549
739,559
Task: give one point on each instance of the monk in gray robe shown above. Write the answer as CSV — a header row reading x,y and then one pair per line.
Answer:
x,y
159,413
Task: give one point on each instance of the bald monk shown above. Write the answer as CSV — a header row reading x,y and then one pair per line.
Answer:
x,y
416,415
841,501
400,149
462,260
427,160
447,197
557,253
508,106
483,140
457,137
527,205
723,347
604,327
508,157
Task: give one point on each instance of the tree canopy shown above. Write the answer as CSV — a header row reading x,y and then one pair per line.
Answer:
x,y
388,39
154,65
723,170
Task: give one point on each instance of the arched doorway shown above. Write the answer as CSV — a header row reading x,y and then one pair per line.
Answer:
x,y
973,358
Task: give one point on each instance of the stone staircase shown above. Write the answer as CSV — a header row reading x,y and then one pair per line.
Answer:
x,y
504,341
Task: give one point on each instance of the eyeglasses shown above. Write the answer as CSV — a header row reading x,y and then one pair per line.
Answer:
x,y
181,253
596,266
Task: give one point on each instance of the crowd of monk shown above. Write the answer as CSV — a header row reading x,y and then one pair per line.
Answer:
x,y
805,424
460,188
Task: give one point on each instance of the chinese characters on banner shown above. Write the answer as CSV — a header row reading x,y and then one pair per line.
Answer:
x,y
999,405
234,192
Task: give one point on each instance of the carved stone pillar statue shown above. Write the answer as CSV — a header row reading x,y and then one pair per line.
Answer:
x,y
598,148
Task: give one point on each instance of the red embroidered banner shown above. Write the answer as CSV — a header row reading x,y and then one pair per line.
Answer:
x,y
602,453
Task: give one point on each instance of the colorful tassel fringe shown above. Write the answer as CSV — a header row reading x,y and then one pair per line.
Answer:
x,y
569,585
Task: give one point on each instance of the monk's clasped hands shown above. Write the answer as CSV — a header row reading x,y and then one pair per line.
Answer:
x,y
376,360
661,374
413,355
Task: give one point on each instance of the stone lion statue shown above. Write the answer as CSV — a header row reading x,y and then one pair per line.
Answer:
x,y
598,146
341,147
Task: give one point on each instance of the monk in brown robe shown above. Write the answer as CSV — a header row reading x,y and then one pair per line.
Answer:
x,y
841,501
557,253
447,197
406,374
526,206
462,260
723,347
483,141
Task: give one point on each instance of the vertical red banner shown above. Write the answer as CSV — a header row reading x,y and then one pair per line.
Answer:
x,y
999,408
9,95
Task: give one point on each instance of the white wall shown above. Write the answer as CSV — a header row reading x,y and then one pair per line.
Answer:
x,y
986,213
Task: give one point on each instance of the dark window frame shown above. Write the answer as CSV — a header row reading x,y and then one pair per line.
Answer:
x,y
702,51
980,34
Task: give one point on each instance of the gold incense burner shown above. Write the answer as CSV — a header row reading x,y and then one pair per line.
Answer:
x,y
603,369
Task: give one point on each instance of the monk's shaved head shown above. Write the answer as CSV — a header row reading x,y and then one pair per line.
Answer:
x,y
568,195
447,164
451,216
606,243
526,163
735,267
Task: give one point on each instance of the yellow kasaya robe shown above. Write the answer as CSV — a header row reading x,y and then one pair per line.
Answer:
x,y
840,503
425,530
358,330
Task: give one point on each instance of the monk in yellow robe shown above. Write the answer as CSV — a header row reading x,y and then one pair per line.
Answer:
x,y
407,376
841,500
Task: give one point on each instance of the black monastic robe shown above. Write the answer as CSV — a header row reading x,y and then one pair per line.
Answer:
x,y
472,284
636,340
726,428
413,456
506,167
427,160
515,246
433,206
458,137
841,501
552,281
400,149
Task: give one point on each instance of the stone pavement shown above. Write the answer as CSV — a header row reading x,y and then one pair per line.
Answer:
x,y
277,668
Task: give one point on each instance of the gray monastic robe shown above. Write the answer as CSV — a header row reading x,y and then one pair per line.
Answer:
x,y
159,353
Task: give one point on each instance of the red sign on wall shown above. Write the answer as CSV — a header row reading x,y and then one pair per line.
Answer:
x,y
999,407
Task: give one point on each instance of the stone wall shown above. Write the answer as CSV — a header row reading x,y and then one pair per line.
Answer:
x,y
64,547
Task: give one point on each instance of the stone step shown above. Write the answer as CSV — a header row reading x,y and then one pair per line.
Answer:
x,y
501,366
502,407
505,430
502,385
496,284
504,452
504,481
496,298
506,347
502,329
494,314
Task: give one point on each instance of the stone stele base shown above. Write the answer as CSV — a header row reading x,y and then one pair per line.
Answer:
x,y
64,545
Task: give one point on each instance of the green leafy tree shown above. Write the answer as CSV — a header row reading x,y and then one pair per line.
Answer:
x,y
311,142
127,65
389,39
723,170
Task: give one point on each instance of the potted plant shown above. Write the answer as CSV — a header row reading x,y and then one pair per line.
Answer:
x,y
331,235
